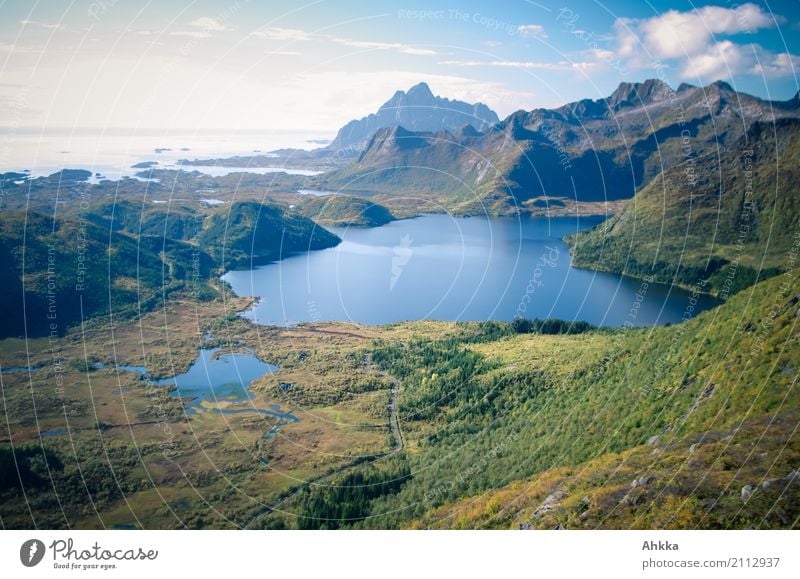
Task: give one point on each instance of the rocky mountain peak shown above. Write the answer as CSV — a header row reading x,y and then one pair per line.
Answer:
x,y
638,93
420,91
418,109
721,85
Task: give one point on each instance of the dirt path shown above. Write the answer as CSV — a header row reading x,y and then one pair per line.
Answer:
x,y
328,332
394,419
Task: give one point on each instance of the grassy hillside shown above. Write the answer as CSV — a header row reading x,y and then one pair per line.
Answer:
x,y
721,479
177,221
343,210
126,258
685,426
694,412
61,271
664,430
726,219
250,233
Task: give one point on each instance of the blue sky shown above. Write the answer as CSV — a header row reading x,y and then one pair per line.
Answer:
x,y
314,65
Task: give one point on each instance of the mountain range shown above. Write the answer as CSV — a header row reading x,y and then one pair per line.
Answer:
x,y
417,110
529,424
723,220
589,150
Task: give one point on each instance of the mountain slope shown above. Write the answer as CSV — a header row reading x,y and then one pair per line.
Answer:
x,y
590,150
343,211
126,258
713,480
719,217
250,233
178,221
717,400
416,110
694,413
60,272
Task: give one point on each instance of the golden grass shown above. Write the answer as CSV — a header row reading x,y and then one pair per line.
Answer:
x,y
217,456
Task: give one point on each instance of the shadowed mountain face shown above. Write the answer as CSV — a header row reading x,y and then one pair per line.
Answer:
x,y
725,219
590,150
127,259
251,233
416,110
61,272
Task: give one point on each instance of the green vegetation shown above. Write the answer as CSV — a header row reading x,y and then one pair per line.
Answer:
x,y
550,326
123,258
198,469
711,481
730,222
65,271
176,221
590,151
348,499
595,411
26,467
59,489
343,210
251,233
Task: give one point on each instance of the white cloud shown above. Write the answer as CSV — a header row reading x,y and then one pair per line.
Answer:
x,y
692,39
297,35
675,34
721,60
285,34
600,54
283,53
526,64
492,43
394,46
628,41
48,25
18,48
209,24
534,30
726,59
783,64
191,33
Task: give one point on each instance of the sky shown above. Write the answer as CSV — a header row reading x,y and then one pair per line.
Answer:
x,y
282,66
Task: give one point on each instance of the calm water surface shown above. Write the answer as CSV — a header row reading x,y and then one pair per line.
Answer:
x,y
444,268
216,377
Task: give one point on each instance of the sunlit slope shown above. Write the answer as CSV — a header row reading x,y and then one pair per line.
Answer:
x,y
689,426
722,219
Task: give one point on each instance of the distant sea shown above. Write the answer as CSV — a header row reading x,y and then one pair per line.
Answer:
x,y
112,152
